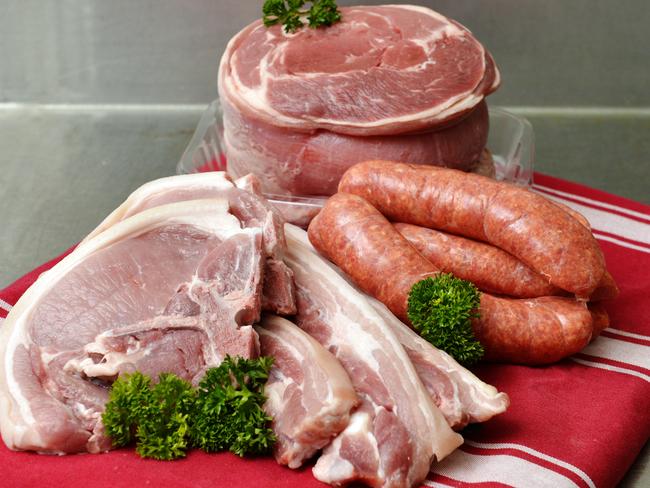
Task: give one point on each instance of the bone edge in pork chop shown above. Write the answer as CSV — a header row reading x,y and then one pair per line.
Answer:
x,y
17,422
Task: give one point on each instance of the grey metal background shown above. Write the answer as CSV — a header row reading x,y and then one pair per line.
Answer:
x,y
99,96
551,52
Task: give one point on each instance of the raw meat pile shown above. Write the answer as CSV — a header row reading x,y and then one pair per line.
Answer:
x,y
169,285
176,278
394,82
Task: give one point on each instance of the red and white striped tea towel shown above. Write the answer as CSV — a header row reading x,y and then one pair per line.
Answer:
x,y
578,423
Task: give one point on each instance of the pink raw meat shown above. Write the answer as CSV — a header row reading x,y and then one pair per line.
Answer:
x,y
172,289
397,431
382,70
244,201
300,163
310,395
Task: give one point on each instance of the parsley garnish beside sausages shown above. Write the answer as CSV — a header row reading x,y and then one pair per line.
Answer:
x,y
441,309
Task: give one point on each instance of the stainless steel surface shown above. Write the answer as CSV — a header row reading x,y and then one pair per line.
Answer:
x,y
65,170
551,53
608,151
113,91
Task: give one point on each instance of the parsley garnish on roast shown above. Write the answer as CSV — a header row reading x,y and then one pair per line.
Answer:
x,y
290,13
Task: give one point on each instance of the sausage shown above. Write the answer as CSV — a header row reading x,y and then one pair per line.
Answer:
x,y
607,289
358,239
532,331
599,317
573,213
491,269
521,222
354,235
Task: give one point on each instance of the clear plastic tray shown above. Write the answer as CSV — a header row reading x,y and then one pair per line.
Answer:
x,y
510,140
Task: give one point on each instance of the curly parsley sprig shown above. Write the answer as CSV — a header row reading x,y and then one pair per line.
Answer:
x,y
166,418
228,412
441,309
290,13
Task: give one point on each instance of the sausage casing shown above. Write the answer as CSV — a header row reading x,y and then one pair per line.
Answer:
x,y
523,223
490,268
355,236
364,244
532,331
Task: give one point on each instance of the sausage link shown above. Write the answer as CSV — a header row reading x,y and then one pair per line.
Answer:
x,y
532,331
573,213
355,236
491,269
362,242
607,289
599,316
521,222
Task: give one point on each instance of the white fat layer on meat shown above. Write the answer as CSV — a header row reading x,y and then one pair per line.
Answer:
x,y
439,112
300,257
217,180
257,97
109,366
331,467
348,335
299,349
486,400
275,392
324,414
47,357
84,412
431,434
204,214
449,30
7,403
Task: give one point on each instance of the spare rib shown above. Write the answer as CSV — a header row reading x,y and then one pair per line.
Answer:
x,y
461,396
397,431
309,394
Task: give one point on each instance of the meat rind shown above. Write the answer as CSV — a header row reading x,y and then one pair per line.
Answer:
x,y
309,394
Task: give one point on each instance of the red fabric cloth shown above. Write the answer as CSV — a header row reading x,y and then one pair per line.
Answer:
x,y
580,422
